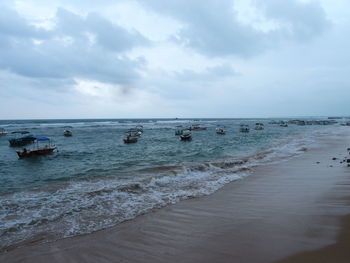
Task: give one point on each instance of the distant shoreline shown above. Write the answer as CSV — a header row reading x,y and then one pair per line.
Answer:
x,y
179,118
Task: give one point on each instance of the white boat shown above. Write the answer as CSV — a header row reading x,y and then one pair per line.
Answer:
x,y
220,130
283,124
134,132
68,133
186,136
259,126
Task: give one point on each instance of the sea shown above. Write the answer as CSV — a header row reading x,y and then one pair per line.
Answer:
x,y
94,180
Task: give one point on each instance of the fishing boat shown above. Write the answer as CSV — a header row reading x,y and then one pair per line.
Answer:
x,y
38,150
68,133
179,130
186,136
244,128
283,124
130,139
134,132
259,126
220,130
21,140
197,128
2,132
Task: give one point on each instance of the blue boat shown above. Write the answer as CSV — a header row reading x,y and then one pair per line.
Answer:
x,y
22,140
38,150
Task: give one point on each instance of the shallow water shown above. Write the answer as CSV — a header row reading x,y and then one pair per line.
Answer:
x,y
95,180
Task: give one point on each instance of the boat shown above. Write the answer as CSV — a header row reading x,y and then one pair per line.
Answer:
x,y
38,150
220,130
2,132
259,126
22,140
197,128
68,133
283,124
244,128
130,139
134,132
179,130
186,136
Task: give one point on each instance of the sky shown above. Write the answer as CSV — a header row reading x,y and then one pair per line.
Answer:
x,y
176,58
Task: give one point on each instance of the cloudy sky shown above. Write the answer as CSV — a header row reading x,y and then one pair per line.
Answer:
x,y
176,58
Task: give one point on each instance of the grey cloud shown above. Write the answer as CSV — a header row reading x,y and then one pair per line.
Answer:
x,y
76,58
305,20
12,24
107,34
214,30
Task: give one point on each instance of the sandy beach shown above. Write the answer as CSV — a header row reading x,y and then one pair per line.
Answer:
x,y
293,211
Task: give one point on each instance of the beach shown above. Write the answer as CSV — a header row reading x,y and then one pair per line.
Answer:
x,y
292,211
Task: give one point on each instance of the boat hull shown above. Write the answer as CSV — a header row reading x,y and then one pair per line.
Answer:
x,y
197,128
186,137
67,134
35,153
130,140
220,131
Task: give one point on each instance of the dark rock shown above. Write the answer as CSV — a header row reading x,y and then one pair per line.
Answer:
x,y
348,160
334,158
317,162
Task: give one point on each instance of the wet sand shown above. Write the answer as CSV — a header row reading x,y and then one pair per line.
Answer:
x,y
294,211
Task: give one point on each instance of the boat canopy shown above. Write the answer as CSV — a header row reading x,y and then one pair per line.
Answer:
x,y
40,139
21,132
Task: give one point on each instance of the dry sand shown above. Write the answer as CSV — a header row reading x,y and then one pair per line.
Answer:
x,y
276,214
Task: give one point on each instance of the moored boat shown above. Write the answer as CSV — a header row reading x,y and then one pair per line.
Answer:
x,y
68,133
244,128
259,126
220,130
186,136
130,139
134,132
38,150
283,124
197,128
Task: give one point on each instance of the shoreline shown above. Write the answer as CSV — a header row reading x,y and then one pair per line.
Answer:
x,y
288,213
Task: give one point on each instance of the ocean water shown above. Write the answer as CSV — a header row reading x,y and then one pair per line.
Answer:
x,y
95,181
